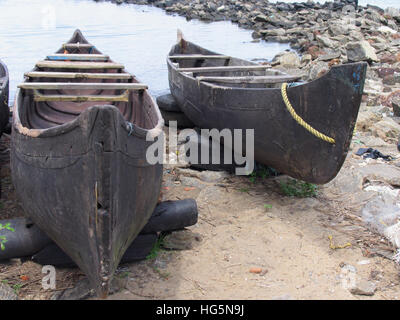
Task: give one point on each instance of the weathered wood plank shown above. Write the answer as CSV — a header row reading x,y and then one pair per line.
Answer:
x,y
77,45
251,79
82,85
198,56
77,75
38,97
78,57
224,68
79,65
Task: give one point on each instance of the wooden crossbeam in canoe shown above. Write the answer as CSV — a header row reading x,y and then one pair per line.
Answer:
x,y
78,57
77,75
198,56
251,79
77,45
81,85
38,97
224,68
78,65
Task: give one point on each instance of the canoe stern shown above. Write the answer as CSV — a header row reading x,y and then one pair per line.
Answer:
x,y
99,164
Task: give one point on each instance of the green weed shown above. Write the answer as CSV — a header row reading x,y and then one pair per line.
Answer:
x,y
297,188
3,239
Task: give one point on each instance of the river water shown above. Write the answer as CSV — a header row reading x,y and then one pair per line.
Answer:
x,y
137,36
140,37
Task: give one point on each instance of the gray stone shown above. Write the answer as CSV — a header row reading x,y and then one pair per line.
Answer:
x,y
287,60
386,129
366,119
326,42
318,69
396,106
364,288
330,56
206,176
273,32
383,173
6,293
361,51
306,59
392,12
336,29
192,182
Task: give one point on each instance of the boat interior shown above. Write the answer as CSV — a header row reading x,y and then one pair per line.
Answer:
x,y
222,70
75,78
3,74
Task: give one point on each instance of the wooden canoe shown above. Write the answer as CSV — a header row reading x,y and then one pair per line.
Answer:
x,y
4,92
237,94
79,156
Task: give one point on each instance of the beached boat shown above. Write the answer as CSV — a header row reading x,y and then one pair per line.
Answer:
x,y
4,91
303,129
79,155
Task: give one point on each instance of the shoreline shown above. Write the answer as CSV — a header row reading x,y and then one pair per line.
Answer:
x,y
333,32
321,35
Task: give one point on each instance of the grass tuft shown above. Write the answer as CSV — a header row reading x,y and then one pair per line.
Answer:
x,y
297,188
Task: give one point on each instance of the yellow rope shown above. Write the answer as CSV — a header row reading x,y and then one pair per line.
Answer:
x,y
333,247
300,121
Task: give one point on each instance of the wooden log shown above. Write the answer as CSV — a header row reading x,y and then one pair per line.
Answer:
x,y
77,75
78,65
251,79
82,85
138,250
198,56
224,68
38,97
78,57
27,239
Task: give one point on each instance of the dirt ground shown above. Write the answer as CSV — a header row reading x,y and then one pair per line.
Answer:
x,y
250,242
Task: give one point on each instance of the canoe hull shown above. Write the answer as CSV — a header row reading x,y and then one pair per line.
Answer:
x,y
330,104
88,187
4,93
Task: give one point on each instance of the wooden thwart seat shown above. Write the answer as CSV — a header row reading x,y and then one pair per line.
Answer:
x,y
251,79
38,97
81,85
77,45
78,65
78,57
77,75
198,56
224,68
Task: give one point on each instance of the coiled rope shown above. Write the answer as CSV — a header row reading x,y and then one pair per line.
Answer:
x,y
299,120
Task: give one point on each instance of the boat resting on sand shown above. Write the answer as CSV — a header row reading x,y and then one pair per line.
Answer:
x,y
4,92
302,129
78,158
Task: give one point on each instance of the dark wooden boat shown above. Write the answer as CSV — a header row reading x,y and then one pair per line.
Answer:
x,y
79,155
243,95
4,92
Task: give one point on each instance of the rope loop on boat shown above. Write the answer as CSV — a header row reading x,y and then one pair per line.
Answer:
x,y
299,120
129,127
